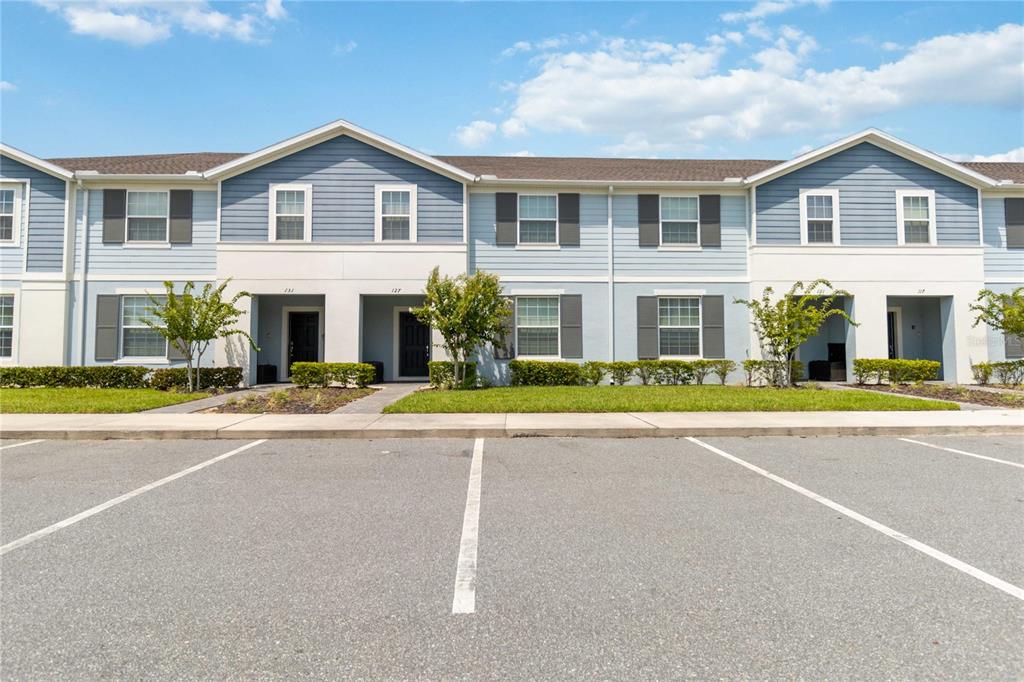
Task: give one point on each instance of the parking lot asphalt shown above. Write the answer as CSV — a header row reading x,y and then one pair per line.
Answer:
x,y
642,558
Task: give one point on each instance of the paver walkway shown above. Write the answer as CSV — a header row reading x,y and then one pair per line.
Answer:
x,y
375,404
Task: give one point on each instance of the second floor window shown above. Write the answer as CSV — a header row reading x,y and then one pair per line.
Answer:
x,y
147,217
291,207
395,215
538,219
8,214
819,216
679,221
537,326
6,325
138,339
679,326
915,217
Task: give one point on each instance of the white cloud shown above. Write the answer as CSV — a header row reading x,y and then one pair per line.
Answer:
x,y
524,152
1016,155
141,22
7,86
767,8
345,48
631,90
890,46
476,134
512,127
517,47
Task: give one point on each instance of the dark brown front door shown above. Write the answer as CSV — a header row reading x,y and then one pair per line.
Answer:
x,y
413,346
303,337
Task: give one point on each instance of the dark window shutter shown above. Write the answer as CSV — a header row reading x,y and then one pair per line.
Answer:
x,y
1014,209
506,207
181,216
570,318
649,218
647,327
114,205
1014,347
710,220
173,353
713,326
569,219
108,309
506,350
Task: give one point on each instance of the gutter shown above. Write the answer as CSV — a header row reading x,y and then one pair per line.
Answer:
x,y
83,298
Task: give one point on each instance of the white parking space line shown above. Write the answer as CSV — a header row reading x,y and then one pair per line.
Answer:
x,y
977,573
464,600
32,537
18,445
962,452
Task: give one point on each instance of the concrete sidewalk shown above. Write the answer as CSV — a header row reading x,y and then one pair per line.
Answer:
x,y
614,425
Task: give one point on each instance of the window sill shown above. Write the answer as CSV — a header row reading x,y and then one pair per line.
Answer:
x,y
680,357
142,361
543,358
680,247
9,245
538,247
395,241
146,245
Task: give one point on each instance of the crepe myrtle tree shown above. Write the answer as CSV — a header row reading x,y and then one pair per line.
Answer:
x,y
467,311
1002,312
191,322
782,325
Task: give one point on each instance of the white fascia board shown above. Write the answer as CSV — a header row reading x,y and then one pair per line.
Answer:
x,y
326,132
91,178
36,162
885,141
603,185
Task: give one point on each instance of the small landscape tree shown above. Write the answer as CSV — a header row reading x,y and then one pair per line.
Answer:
x,y
190,322
1003,312
782,325
467,311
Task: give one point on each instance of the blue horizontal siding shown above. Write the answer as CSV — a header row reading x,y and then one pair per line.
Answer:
x,y
588,259
343,172
729,260
198,258
1000,262
45,234
866,177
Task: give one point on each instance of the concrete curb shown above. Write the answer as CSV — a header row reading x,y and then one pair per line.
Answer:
x,y
615,425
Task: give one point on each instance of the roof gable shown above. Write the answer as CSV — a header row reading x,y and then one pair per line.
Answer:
x,y
35,162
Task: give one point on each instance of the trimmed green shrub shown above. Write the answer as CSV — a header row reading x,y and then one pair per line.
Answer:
x,y
594,372
760,372
307,374
982,372
100,376
674,372
442,374
545,373
701,369
647,371
621,371
1009,372
721,369
176,378
898,371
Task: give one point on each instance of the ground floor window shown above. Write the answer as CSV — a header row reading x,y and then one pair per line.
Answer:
x,y
139,340
6,325
537,326
679,326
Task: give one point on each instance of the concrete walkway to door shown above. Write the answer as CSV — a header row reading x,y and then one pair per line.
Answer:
x,y
375,404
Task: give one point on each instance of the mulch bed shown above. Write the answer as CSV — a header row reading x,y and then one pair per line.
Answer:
x,y
960,394
293,401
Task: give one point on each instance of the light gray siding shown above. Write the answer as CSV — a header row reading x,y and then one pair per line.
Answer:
x,y
867,177
588,259
343,172
196,259
728,260
44,236
1000,262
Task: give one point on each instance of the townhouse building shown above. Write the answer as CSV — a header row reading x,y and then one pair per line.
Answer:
x,y
334,231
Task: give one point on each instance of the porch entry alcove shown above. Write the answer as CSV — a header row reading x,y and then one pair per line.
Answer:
x,y
828,355
393,339
920,328
290,328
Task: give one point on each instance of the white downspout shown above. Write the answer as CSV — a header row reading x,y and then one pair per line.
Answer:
x,y
83,298
611,280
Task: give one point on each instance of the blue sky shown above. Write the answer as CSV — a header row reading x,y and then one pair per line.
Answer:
x,y
764,79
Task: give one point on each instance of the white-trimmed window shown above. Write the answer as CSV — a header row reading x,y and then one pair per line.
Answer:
x,y
139,340
819,216
537,325
6,325
395,211
147,217
10,214
291,210
538,219
915,217
680,221
679,326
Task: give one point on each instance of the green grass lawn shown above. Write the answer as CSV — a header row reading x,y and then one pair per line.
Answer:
x,y
64,400
655,399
